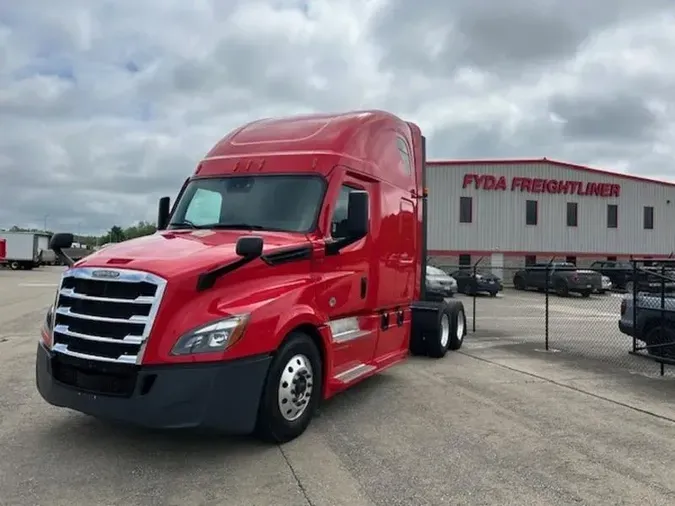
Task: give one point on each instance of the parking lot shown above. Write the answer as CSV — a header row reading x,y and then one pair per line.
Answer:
x,y
501,422
584,330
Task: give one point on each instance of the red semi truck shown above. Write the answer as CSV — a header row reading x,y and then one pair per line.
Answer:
x,y
290,267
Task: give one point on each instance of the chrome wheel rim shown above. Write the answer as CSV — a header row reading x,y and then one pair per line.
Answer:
x,y
445,330
461,323
295,387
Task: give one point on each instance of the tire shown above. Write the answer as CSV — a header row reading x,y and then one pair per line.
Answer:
x,y
519,283
493,294
297,362
562,289
458,325
14,265
438,328
661,334
629,287
585,293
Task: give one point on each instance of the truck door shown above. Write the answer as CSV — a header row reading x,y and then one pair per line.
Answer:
x,y
347,294
536,275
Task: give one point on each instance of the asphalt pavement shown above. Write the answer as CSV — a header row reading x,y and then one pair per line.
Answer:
x,y
499,423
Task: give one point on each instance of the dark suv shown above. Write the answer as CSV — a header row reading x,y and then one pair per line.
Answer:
x,y
623,276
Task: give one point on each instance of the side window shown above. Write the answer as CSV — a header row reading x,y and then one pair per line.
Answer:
x,y
405,155
204,207
339,221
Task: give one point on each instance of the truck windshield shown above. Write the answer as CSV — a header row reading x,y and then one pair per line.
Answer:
x,y
269,202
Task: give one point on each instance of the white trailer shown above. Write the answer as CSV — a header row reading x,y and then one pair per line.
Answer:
x,y
23,249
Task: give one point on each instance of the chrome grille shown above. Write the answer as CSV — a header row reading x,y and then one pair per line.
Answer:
x,y
105,314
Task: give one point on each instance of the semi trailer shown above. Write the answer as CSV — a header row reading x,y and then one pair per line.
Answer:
x,y
23,249
290,267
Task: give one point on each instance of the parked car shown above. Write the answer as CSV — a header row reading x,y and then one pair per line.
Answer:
x,y
652,326
482,282
563,277
623,276
439,281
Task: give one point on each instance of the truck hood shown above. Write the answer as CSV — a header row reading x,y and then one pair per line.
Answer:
x,y
176,252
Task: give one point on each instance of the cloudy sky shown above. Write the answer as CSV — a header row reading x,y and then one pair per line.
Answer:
x,y
106,105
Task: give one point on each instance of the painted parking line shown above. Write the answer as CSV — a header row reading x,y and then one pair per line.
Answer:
x,y
40,285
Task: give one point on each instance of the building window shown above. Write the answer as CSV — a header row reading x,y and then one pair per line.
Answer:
x,y
530,260
571,260
465,209
465,260
572,214
611,259
531,212
648,218
612,216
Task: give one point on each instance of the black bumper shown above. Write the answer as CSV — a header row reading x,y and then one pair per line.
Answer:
x,y
222,396
625,329
488,287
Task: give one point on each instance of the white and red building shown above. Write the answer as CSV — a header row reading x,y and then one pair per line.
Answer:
x,y
513,212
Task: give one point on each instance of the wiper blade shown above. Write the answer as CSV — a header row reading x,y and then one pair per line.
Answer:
x,y
235,226
183,224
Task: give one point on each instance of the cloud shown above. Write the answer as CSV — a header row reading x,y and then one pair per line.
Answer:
x,y
106,106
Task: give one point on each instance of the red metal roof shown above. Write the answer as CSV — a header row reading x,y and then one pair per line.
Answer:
x,y
565,165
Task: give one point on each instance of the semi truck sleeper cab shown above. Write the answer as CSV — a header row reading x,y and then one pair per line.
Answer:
x,y
290,267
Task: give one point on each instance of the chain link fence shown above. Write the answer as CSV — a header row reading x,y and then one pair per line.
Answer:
x,y
624,316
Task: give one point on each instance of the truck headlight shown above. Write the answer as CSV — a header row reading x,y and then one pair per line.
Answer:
x,y
49,318
214,336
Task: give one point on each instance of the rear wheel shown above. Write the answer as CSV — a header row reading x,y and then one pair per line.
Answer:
x,y
585,293
562,289
519,283
437,328
661,335
292,390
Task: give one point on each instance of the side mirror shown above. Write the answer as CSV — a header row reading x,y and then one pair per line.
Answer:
x,y
61,241
357,215
58,243
163,211
249,246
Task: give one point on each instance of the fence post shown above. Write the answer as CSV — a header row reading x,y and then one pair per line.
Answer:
x,y
547,288
634,282
474,295
663,307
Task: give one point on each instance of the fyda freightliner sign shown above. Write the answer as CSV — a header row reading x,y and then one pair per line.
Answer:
x,y
538,185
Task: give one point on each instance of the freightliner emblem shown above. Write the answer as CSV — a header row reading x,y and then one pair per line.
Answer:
x,y
105,274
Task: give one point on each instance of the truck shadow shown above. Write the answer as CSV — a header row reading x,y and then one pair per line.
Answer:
x,y
77,432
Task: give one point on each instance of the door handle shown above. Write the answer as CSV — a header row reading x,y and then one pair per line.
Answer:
x,y
364,287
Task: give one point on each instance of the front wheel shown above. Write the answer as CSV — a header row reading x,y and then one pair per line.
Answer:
x,y
292,390
519,283
562,289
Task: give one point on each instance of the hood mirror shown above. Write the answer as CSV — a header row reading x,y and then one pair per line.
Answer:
x,y
163,211
249,246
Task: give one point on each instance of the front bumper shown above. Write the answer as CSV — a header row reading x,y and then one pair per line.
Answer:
x,y
486,286
625,328
221,396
